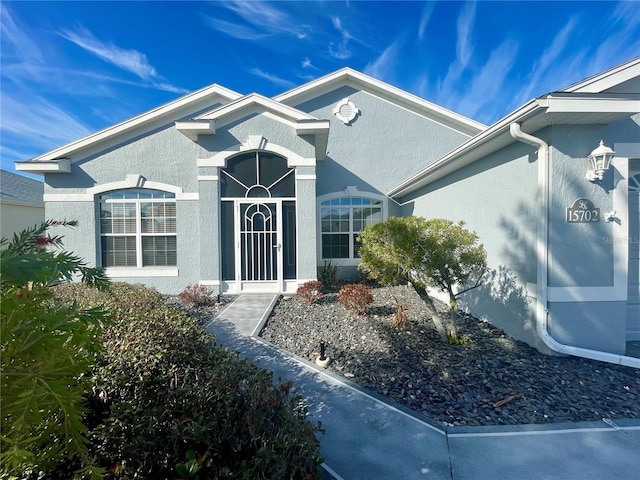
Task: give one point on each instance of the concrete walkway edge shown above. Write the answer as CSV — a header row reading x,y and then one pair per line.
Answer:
x,y
369,437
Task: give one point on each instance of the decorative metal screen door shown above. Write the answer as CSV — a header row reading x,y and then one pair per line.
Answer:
x,y
259,244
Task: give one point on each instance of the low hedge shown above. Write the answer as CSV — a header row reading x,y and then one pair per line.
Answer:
x,y
167,402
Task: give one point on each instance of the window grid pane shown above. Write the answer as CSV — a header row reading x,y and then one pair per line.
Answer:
x,y
159,217
118,251
125,216
342,219
335,245
159,251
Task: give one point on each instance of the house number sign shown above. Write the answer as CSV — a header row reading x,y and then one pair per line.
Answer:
x,y
583,211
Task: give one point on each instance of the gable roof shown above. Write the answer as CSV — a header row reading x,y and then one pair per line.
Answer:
x,y
59,160
555,108
303,123
613,78
20,190
350,77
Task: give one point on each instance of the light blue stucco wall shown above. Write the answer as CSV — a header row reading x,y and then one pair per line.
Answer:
x,y
166,156
583,254
385,144
382,146
496,197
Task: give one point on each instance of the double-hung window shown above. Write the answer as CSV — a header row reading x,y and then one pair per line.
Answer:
x,y
341,220
138,228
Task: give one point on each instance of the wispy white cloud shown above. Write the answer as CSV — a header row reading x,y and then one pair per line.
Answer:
x,y
15,35
129,60
233,29
281,82
44,124
383,66
261,19
543,67
477,100
464,47
340,51
622,40
427,11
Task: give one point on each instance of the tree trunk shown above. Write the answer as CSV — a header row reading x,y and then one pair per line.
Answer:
x,y
437,321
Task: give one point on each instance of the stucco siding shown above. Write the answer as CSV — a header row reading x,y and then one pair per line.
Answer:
x,y
496,197
164,156
231,135
593,325
578,254
382,146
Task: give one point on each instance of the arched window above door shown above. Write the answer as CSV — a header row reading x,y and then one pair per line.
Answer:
x,y
257,174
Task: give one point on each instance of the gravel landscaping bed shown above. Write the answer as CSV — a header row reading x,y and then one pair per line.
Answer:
x,y
491,380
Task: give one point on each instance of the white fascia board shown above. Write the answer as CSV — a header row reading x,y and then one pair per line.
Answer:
x,y
313,127
173,107
254,100
609,104
607,79
468,152
359,80
62,165
192,128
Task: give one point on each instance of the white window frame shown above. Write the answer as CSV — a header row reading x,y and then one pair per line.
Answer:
x,y
349,192
139,269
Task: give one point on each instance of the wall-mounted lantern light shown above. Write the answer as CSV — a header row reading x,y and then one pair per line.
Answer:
x,y
600,159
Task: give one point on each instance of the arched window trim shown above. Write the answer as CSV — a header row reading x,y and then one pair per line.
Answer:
x,y
154,248
267,188
348,192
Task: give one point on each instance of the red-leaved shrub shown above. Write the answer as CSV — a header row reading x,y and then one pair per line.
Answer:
x,y
356,297
310,291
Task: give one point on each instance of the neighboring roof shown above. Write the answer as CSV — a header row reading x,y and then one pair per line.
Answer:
x,y
348,76
20,190
564,107
59,160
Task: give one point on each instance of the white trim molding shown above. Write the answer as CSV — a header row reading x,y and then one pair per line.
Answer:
x,y
112,272
305,177
256,142
348,192
130,181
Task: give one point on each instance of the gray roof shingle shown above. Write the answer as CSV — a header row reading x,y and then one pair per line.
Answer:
x,y
19,189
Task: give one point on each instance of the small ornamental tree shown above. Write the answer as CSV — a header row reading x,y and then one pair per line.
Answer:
x,y
46,352
434,253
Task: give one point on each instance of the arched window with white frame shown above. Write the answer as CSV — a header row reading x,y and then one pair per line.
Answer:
x,y
138,228
342,218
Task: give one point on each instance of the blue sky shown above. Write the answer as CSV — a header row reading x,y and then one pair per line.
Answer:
x,y
71,68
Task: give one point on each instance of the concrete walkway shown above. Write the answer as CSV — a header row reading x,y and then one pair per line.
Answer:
x,y
370,438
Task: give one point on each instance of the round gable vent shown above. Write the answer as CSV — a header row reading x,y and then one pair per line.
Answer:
x,y
345,111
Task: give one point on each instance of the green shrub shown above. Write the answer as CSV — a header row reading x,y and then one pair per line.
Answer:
x,y
47,350
163,389
329,274
356,297
196,295
310,291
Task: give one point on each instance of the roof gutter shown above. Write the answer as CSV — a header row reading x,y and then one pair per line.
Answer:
x,y
542,250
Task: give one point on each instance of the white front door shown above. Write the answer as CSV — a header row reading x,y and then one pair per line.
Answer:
x,y
259,245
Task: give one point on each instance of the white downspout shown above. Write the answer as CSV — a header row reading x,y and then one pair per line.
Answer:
x,y
542,252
